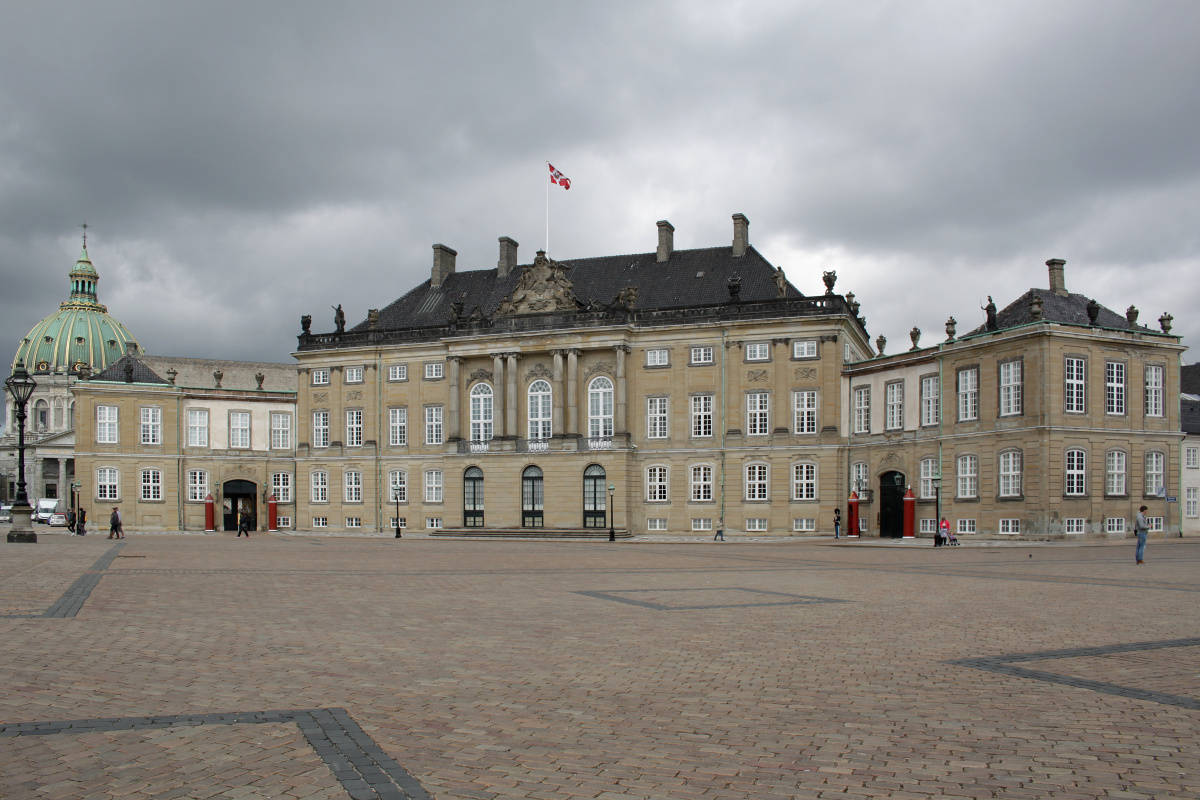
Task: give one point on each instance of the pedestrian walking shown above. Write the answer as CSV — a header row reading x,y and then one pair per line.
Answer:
x,y
243,525
81,522
720,534
115,529
71,521
1141,527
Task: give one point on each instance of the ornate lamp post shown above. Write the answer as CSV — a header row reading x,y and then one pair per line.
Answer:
x,y
937,493
612,531
396,497
21,385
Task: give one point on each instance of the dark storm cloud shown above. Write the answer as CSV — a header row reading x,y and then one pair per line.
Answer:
x,y
247,163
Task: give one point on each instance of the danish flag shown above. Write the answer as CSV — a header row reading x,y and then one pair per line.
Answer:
x,y
558,178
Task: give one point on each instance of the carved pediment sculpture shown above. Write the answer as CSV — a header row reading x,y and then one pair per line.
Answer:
x,y
538,371
480,374
543,287
626,298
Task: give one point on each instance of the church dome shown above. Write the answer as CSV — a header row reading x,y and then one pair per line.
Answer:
x,y
80,332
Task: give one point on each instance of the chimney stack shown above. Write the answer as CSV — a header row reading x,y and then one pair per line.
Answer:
x,y
508,257
741,235
443,264
1058,283
131,348
666,240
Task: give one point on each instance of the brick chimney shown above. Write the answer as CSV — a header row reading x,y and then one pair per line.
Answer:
x,y
1058,283
666,240
741,235
508,257
443,264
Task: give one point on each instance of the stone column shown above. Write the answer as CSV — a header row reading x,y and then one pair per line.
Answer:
x,y
454,398
783,397
619,425
510,397
557,414
573,392
64,487
498,395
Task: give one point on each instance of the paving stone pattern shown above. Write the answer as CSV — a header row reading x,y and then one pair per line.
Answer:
x,y
522,670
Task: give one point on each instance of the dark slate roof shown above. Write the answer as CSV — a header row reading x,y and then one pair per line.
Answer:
x,y
689,278
115,372
1071,309
1189,416
1189,379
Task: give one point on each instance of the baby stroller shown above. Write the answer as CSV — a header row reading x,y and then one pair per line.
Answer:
x,y
951,538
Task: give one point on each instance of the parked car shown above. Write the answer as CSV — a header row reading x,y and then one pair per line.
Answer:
x,y
45,507
58,520
6,513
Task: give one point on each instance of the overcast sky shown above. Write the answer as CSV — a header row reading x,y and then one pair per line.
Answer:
x,y
241,164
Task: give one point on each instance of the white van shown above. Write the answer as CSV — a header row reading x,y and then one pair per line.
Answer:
x,y
45,507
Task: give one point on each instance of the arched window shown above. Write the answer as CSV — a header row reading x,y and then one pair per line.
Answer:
x,y
1075,483
540,410
481,413
594,500
71,415
600,409
41,415
473,498
532,497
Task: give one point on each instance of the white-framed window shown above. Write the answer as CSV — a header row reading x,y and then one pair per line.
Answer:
x,y
541,410
968,476
353,522
433,425
434,370
758,352
397,486
930,400
894,406
1010,388
862,410
804,348
600,408
281,431
1154,391
320,522
107,482
757,484
846,352
106,424
320,487
658,358
1114,472
283,522
702,524
1010,473
320,377
197,485
1155,471
197,422
758,414
968,394
151,484
929,471
702,415
398,427
966,526
804,524
399,522
804,411
151,425
398,372
929,526
1075,389
804,481
320,429
702,355
352,486
433,486
656,418
858,476
656,523
1075,525
481,412
1075,483
756,524
1155,524
354,375
433,523
239,429
281,486
1114,388
702,483
354,427
1010,526
1114,525
862,524
1192,457
656,484
1191,502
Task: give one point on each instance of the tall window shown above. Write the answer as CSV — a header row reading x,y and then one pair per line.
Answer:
x,y
106,424
702,415
1191,505
473,498
481,412
397,486
656,484
862,410
804,481
858,477
354,427
1010,388
433,425
320,487
1155,470
106,483
600,408
1076,474
433,486
968,476
281,486
804,409
151,484
758,414
397,427
239,429
929,471
595,501
281,431
1076,383
702,483
1192,456
151,426
1114,472
756,482
197,420
930,401
533,500
352,483
968,394
320,429
541,410
656,417
197,485
1010,474
1154,391
1114,387
895,406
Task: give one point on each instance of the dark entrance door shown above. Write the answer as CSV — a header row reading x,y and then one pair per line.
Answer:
x,y
473,498
594,506
532,499
891,504
240,496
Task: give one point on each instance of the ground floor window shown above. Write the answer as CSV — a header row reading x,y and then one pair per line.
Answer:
x,y
320,522
433,523
656,524
1074,525
1010,526
197,485
756,524
353,522
1191,502
1155,523
929,526
1114,525
966,526
804,524
702,524
399,522
283,522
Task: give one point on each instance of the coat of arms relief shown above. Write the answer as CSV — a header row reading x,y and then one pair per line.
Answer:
x,y
543,287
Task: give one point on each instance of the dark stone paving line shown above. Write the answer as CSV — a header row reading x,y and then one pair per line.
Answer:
x,y
358,763
1009,576
76,595
793,599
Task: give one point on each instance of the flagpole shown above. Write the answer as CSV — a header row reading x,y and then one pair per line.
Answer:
x,y
547,214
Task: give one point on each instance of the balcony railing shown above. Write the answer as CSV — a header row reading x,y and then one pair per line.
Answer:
x,y
537,445
600,443
477,447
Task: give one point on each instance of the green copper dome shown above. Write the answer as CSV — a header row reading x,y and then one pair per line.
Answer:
x,y
80,332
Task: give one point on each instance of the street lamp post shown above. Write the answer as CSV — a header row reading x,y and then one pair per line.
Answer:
x,y
21,385
612,531
396,497
937,493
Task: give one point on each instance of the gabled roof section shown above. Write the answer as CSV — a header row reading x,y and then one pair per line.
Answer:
x,y
1070,309
120,372
1189,379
